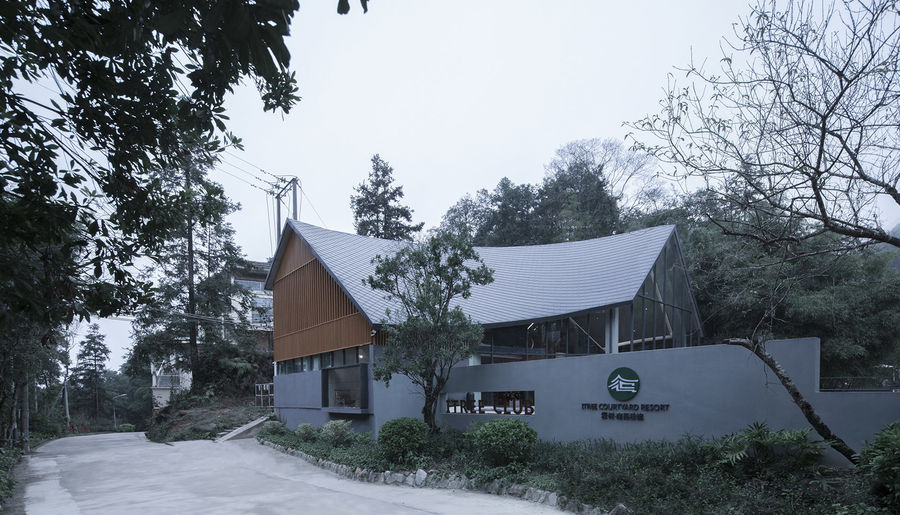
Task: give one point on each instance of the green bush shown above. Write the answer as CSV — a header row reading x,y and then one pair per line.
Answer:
x,y
126,428
9,456
504,441
402,439
880,461
274,427
758,450
307,433
337,433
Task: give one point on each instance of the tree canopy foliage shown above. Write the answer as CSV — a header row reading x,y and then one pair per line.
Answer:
x,y
797,131
578,199
95,99
431,334
376,206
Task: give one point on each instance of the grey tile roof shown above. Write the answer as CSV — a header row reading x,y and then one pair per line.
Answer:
x,y
530,282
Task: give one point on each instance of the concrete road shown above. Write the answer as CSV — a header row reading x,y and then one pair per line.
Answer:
x,y
125,473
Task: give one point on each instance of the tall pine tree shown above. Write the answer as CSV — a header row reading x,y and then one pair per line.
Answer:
x,y
198,320
376,207
92,357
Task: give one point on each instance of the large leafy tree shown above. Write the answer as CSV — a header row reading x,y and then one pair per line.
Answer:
x,y
430,335
376,206
95,99
798,124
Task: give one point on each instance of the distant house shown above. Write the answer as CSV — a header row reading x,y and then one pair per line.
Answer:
x,y
165,378
253,278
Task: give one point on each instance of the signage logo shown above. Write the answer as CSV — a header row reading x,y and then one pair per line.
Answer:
x,y
623,384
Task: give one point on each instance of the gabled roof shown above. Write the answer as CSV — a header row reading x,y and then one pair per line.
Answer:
x,y
530,282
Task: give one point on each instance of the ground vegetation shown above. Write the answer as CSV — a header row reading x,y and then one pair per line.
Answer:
x,y
757,470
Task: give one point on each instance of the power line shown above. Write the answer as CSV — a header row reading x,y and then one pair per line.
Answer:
x,y
276,177
245,181
251,174
316,211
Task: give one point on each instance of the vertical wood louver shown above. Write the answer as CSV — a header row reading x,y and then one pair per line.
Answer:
x,y
312,313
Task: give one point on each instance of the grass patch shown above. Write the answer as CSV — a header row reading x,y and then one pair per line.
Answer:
x,y
201,418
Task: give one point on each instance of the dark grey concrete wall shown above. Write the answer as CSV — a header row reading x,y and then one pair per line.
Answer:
x,y
711,391
401,399
302,390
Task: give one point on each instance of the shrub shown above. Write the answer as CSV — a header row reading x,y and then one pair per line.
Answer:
x,y
9,456
504,441
758,450
307,433
402,439
880,460
337,433
274,427
126,428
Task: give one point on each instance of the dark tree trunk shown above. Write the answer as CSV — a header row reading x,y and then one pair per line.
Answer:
x,y
428,411
805,407
192,303
26,416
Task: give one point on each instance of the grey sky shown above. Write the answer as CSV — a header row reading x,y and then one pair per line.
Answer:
x,y
455,96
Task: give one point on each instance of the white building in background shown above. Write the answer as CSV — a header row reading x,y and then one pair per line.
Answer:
x,y
167,379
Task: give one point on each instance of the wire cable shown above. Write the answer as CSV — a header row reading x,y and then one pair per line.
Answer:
x,y
277,178
316,211
241,179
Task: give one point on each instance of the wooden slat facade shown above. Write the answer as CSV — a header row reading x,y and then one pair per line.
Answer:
x,y
312,314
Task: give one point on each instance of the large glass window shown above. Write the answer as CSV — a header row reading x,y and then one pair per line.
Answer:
x,y
346,387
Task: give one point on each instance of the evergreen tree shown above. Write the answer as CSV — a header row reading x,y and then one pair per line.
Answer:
x,y
197,320
574,203
510,218
376,208
92,357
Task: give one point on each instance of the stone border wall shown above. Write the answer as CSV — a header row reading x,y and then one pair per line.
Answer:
x,y
434,479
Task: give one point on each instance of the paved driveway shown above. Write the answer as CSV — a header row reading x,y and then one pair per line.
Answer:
x,y
124,473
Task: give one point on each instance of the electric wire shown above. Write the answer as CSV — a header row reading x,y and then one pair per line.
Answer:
x,y
251,174
241,179
316,211
277,178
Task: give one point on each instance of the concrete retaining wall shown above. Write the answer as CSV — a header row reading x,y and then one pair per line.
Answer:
x,y
710,390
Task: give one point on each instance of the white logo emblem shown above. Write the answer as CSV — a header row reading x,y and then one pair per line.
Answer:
x,y
620,384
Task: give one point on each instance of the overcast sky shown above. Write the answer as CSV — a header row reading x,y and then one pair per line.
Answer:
x,y
454,96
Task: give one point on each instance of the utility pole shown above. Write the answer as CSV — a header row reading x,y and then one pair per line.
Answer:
x,y
294,185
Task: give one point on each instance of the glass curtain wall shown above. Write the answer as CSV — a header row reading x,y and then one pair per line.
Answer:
x,y
662,315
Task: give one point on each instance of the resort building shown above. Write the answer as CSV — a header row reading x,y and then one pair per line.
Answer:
x,y
590,339
619,294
